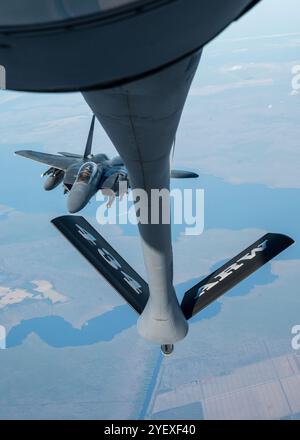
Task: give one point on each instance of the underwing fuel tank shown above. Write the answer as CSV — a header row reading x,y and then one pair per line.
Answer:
x,y
55,177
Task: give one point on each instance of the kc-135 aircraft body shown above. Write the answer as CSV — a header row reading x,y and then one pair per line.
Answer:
x,y
134,62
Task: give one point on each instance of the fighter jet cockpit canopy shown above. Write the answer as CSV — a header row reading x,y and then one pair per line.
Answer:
x,y
87,172
76,45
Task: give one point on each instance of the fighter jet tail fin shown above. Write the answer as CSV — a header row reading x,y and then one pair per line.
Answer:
x,y
88,147
233,272
129,284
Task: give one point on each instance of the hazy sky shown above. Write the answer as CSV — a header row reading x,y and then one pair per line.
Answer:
x,y
268,17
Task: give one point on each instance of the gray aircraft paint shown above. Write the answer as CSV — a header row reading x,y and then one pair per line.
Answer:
x,y
141,120
150,108
108,175
66,168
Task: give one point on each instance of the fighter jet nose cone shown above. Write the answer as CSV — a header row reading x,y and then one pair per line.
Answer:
x,y
72,209
73,206
78,198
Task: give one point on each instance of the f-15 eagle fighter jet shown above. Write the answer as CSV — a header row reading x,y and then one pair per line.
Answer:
x,y
82,176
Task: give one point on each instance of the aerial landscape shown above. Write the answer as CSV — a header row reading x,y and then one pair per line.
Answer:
x,y
69,334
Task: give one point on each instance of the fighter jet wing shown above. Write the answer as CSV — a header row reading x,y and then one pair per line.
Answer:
x,y
53,160
73,155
